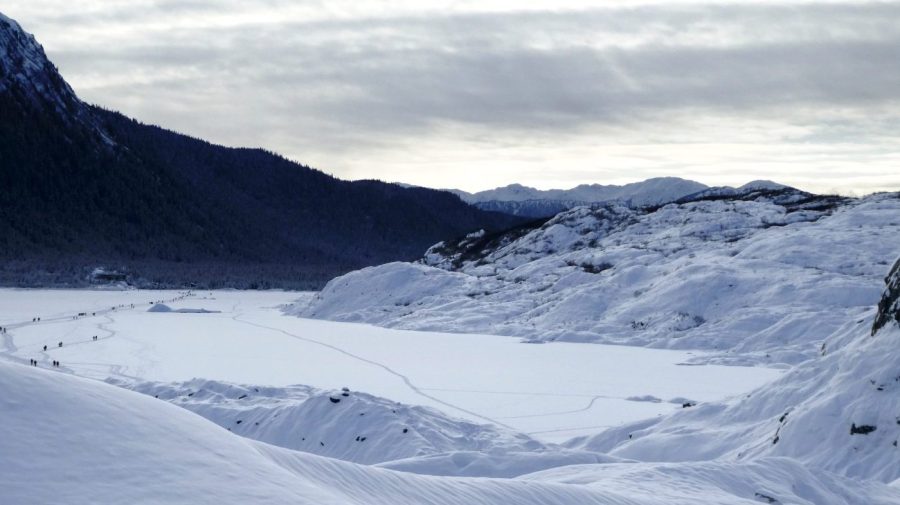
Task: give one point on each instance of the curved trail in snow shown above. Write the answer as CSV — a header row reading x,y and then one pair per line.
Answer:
x,y
563,412
575,428
416,389
9,348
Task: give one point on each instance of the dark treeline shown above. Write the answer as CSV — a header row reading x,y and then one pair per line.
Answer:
x,y
82,187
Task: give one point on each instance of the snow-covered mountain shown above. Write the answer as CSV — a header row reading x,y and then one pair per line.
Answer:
x,y
651,191
525,201
758,276
31,82
25,70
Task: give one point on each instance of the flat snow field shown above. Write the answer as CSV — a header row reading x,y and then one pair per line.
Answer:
x,y
553,391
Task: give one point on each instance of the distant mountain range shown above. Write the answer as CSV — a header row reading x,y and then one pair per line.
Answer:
x,y
535,203
83,187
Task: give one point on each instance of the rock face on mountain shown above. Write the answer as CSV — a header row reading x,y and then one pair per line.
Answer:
x,y
25,71
761,276
82,187
889,306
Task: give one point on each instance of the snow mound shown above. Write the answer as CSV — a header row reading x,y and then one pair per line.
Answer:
x,y
347,425
72,440
497,463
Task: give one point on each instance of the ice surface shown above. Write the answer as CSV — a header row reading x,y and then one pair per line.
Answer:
x,y
553,391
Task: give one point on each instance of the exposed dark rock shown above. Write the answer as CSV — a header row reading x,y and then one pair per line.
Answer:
x,y
889,306
863,429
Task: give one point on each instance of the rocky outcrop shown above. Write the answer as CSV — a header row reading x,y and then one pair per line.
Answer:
x,y
889,306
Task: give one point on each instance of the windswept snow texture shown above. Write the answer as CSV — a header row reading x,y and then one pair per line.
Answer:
x,y
116,446
762,276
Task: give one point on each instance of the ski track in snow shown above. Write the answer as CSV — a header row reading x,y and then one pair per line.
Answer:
x,y
548,414
416,389
574,428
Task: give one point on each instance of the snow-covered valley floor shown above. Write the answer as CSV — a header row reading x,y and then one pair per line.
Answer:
x,y
551,391
219,397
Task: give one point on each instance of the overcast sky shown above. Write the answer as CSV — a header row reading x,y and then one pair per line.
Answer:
x,y
478,94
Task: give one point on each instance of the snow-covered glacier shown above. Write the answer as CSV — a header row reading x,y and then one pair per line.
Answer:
x,y
762,275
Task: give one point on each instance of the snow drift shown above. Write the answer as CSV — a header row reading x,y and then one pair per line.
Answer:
x,y
116,446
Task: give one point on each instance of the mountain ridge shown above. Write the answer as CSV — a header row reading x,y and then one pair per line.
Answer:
x,y
520,200
653,190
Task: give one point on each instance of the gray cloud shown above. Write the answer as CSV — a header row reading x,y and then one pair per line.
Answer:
x,y
344,85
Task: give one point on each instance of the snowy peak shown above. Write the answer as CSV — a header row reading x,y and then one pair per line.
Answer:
x,y
762,184
651,191
510,193
520,200
27,74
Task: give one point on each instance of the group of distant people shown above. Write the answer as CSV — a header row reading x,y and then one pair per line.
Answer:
x,y
54,363
34,362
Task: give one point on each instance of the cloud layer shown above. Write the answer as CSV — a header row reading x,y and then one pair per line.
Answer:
x,y
486,93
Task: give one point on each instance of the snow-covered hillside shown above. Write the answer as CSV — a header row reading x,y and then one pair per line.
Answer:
x,y
838,412
73,440
764,275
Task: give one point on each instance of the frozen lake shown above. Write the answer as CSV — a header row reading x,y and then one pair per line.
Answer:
x,y
553,391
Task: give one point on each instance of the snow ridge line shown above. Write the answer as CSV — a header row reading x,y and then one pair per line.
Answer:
x,y
384,367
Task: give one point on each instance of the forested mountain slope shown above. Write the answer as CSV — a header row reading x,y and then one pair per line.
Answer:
x,y
85,187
